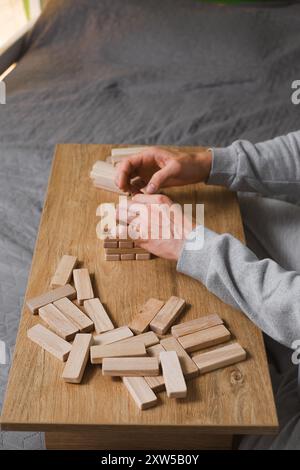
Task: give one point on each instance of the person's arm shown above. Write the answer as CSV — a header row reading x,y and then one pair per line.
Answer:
x,y
265,292
268,168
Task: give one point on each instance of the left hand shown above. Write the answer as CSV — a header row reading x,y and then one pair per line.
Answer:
x,y
159,224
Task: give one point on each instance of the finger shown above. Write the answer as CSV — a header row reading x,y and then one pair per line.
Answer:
x,y
160,178
151,199
126,170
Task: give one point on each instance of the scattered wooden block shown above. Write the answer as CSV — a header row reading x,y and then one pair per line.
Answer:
x,y
140,392
201,323
103,175
127,257
157,384
140,323
110,244
148,339
167,315
37,302
173,376
97,313
112,257
64,271
125,244
113,336
98,353
221,357
58,322
77,359
130,366
142,256
187,364
204,338
83,285
50,342
73,313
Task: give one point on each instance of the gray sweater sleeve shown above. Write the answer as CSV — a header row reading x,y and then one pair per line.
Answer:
x,y
268,168
265,292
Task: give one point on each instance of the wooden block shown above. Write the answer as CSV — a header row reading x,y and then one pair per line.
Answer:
x,y
110,244
130,366
125,244
108,159
140,323
187,364
98,353
97,313
140,392
125,251
149,339
201,323
173,376
83,285
204,338
127,151
58,322
155,383
128,257
221,357
77,359
113,336
49,341
37,302
64,271
73,313
167,315
142,256
112,257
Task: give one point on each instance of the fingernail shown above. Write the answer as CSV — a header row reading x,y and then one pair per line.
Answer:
x,y
151,188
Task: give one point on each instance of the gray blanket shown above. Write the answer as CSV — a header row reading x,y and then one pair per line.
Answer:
x,y
138,72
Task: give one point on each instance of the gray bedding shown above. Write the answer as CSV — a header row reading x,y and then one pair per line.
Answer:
x,y
139,72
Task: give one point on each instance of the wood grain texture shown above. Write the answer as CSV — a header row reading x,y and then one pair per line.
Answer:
x,y
77,360
118,334
173,375
149,339
130,366
219,357
98,315
57,322
197,324
205,338
140,392
64,270
140,322
50,296
156,383
237,399
167,315
49,341
187,364
83,285
98,353
73,313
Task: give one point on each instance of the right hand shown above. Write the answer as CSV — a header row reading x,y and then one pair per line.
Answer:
x,y
161,168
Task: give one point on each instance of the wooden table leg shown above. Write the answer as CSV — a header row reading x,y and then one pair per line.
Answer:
x,y
136,438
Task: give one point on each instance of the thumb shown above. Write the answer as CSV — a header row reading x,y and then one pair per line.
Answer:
x,y
159,178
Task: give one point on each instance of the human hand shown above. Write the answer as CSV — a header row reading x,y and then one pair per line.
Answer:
x,y
156,224
161,168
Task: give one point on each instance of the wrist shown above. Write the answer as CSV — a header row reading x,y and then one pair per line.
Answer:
x,y
204,159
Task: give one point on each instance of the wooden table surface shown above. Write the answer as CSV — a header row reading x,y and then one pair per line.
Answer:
x,y
234,400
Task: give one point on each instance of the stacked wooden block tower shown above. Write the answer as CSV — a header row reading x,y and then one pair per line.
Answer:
x,y
147,361
103,175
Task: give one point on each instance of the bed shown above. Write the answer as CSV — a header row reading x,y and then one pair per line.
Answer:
x,y
138,72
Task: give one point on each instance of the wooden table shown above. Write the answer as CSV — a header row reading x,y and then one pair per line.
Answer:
x,y
99,414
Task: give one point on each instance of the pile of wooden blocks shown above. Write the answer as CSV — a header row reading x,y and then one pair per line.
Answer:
x,y
123,250
140,353
103,174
